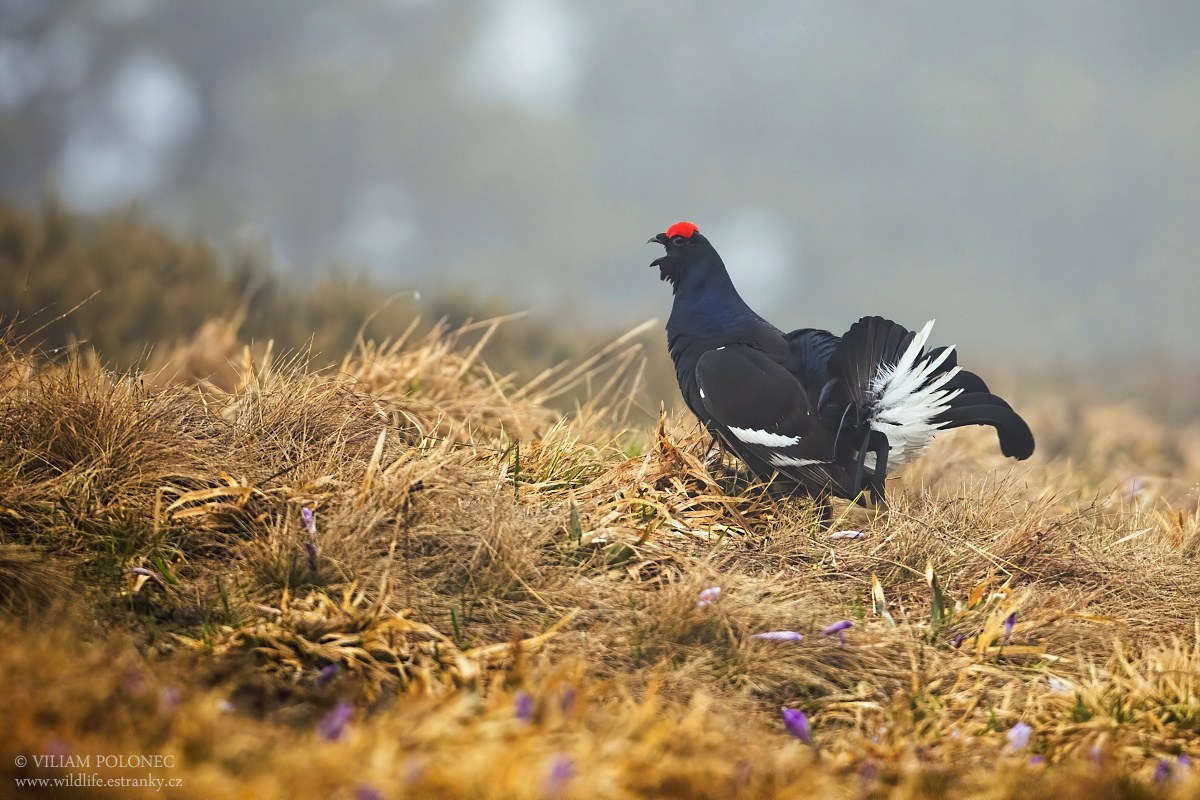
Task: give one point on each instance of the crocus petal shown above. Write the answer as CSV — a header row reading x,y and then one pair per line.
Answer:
x,y
1018,735
149,573
169,698
1162,771
797,724
310,522
562,769
778,636
310,551
135,682
1058,685
327,673
567,702
708,596
1184,761
847,535
524,706
1009,622
838,629
958,640
333,725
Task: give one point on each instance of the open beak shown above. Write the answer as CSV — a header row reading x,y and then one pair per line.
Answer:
x,y
660,238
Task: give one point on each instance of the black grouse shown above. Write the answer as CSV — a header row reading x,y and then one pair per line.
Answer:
x,y
807,410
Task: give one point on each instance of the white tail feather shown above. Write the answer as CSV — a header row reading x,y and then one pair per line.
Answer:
x,y
906,400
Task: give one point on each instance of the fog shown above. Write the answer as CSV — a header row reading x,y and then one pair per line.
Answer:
x,y
1026,172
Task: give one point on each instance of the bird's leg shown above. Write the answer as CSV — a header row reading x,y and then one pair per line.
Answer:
x,y
826,509
824,503
713,443
880,446
860,460
717,444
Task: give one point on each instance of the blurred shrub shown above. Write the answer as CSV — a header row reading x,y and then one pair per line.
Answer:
x,y
128,284
132,291
123,286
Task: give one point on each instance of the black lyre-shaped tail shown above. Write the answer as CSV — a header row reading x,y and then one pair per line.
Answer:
x,y
890,396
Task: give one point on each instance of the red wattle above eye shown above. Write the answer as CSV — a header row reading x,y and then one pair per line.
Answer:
x,y
684,229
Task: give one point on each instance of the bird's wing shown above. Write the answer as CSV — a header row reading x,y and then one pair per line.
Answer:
x,y
764,415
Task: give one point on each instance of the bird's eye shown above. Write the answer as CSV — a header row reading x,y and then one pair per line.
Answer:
x,y
678,241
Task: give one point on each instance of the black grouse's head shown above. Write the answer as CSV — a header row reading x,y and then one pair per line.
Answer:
x,y
689,255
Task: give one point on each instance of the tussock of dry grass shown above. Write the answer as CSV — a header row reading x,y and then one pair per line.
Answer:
x,y
475,551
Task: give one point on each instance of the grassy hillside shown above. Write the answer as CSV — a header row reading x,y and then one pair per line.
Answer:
x,y
494,599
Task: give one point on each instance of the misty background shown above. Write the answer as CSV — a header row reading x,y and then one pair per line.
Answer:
x,y
1026,172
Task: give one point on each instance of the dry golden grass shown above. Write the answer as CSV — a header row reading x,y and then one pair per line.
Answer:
x,y
498,600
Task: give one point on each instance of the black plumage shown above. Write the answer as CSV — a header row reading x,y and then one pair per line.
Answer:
x,y
808,410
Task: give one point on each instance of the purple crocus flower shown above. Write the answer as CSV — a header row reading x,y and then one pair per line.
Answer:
x,y
778,636
364,791
310,522
333,725
1184,761
709,596
149,573
135,682
838,628
310,551
1009,622
1162,771
797,724
169,698
327,673
847,535
1037,760
1018,735
562,769
524,706
958,640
